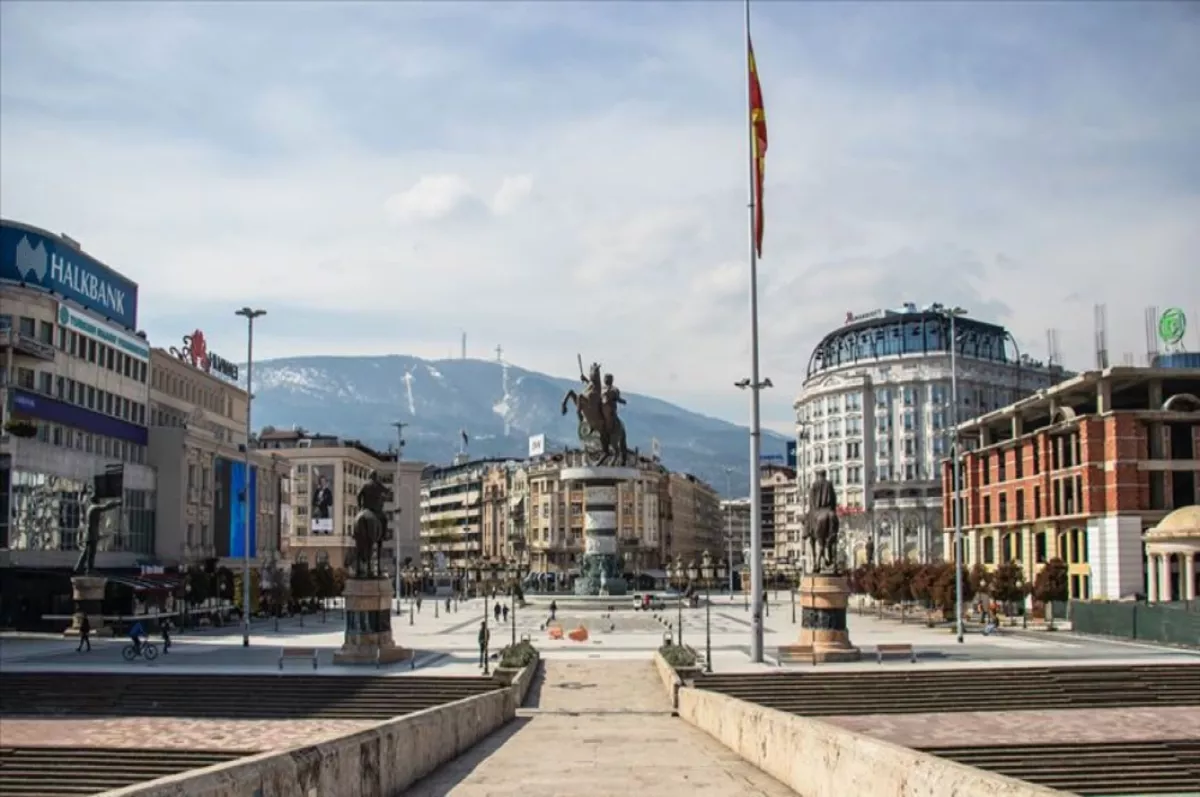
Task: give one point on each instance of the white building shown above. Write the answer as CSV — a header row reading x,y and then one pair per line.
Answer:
x,y
874,413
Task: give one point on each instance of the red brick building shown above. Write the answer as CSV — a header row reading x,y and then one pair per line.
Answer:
x,y
1079,471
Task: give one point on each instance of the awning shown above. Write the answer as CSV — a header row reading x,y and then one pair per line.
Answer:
x,y
147,584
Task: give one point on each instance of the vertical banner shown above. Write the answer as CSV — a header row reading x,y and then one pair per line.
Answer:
x,y
321,503
238,531
222,505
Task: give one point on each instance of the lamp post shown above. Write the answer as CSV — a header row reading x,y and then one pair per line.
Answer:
x,y
729,525
707,572
249,314
396,515
951,313
678,575
693,574
792,579
514,572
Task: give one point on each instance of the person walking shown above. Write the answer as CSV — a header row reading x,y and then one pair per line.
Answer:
x,y
553,609
166,636
506,612
496,612
484,636
85,634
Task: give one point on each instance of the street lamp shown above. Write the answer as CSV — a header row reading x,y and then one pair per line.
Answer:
x,y
756,533
706,570
396,515
729,525
951,313
693,574
249,314
677,575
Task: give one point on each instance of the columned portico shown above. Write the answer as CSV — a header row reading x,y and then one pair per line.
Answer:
x,y
1173,547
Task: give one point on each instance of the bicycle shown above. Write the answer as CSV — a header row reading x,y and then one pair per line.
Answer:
x,y
149,652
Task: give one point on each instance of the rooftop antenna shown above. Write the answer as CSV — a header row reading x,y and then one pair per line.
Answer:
x,y
464,344
1101,317
1151,334
1053,357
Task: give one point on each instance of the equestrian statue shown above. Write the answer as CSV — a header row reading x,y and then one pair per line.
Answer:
x,y
821,525
601,432
370,528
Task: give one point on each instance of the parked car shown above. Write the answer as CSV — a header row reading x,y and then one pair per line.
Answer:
x,y
647,601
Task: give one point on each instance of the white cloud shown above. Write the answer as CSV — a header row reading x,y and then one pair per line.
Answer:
x,y
512,193
432,197
571,178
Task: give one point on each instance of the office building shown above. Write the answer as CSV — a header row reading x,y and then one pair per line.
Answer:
x,y
1081,472
735,525
325,475
874,413
74,375
696,521
197,447
780,528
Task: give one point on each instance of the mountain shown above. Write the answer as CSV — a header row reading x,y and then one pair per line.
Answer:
x,y
360,397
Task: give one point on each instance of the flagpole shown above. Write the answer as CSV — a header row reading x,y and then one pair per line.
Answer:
x,y
756,538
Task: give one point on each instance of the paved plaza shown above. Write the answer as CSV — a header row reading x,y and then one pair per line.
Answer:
x,y
603,728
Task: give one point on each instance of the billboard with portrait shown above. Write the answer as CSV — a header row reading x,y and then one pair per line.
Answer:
x,y
320,505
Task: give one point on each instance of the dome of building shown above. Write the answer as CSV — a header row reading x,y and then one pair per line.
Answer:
x,y
1183,522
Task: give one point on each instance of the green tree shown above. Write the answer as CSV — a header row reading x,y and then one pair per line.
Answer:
x,y
1051,583
198,586
1007,583
302,582
980,580
322,577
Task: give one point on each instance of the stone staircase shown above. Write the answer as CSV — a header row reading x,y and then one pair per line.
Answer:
x,y
230,696
1114,768
59,771
920,690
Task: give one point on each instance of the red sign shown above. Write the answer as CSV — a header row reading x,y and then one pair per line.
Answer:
x,y
194,352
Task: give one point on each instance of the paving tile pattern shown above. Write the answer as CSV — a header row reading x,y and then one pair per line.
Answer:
x,y
604,728
1081,726
179,734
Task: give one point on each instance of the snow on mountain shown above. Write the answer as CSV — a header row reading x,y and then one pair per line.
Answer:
x,y
499,406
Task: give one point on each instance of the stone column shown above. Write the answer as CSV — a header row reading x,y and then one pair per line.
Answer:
x,y
1164,578
1189,576
1152,571
601,572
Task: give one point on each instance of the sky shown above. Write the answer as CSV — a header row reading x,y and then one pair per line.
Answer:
x,y
571,178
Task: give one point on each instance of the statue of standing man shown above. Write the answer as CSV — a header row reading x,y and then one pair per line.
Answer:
x,y
91,542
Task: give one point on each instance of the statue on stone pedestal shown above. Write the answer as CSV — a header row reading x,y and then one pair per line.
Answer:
x,y
601,432
91,542
821,526
370,528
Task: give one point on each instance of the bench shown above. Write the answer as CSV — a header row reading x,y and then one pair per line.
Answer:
x,y
298,653
895,649
792,654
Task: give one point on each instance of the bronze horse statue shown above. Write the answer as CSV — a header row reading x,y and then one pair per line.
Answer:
x,y
822,525
602,444
368,543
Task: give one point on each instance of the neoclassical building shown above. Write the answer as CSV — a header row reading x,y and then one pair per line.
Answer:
x,y
1172,553
875,413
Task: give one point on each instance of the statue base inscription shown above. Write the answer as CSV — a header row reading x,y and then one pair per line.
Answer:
x,y
601,571
88,594
368,637
823,601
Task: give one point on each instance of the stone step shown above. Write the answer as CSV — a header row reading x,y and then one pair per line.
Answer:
x,y
52,771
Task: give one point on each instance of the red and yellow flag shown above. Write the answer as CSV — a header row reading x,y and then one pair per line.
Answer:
x,y
758,140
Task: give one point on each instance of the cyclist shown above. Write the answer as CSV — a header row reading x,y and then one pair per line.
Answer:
x,y
136,634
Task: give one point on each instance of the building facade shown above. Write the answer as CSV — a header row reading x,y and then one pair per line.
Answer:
x,y
696,520
782,547
875,413
735,525
74,375
325,474
1081,472
197,448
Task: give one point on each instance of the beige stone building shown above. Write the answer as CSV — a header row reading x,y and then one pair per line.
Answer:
x,y
781,517
326,474
197,446
696,519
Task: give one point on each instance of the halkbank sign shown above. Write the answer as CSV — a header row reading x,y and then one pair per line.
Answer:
x,y
41,259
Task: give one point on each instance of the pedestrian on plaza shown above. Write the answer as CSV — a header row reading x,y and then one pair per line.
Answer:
x,y
553,609
484,636
447,605
496,612
85,634
166,636
418,604
506,612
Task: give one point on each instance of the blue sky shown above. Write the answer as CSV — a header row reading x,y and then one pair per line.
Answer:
x,y
570,177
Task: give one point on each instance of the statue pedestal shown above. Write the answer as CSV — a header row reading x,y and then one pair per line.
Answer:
x,y
823,600
601,571
88,594
368,637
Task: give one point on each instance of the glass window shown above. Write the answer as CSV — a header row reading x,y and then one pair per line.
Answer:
x,y
28,326
46,332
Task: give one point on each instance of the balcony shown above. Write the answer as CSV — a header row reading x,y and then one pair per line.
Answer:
x,y
25,345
